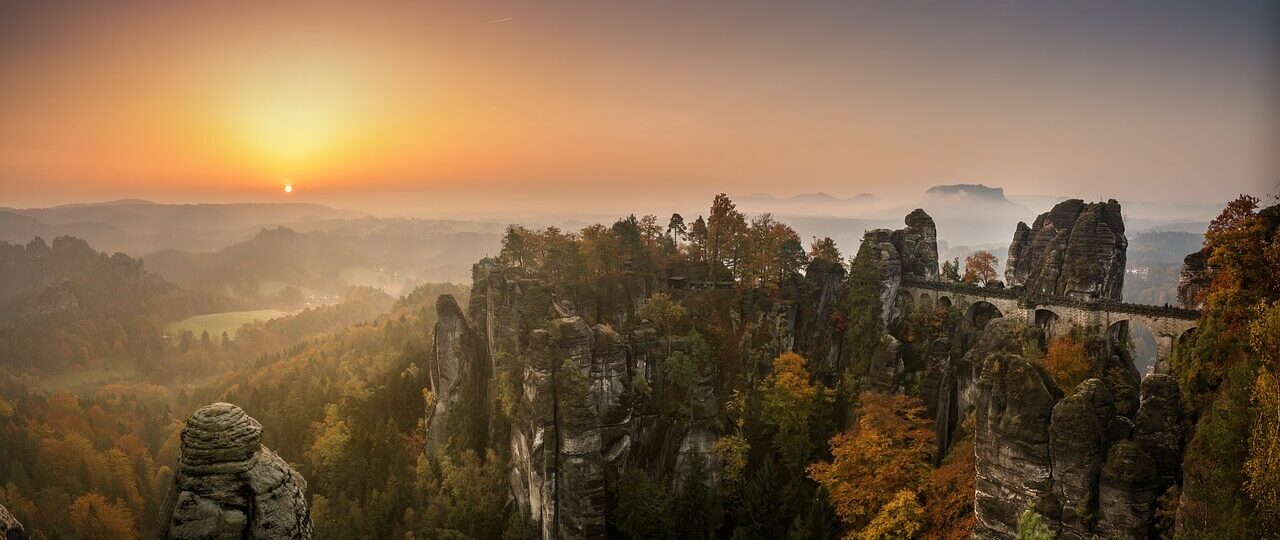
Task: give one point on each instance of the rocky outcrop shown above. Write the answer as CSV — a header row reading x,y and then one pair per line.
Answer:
x,y
1078,441
228,485
1013,469
885,372
1194,279
918,246
1075,250
889,267
1127,493
457,370
815,332
1158,426
910,253
10,529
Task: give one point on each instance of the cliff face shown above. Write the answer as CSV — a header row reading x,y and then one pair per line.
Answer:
x,y
230,486
910,252
1075,249
457,369
1193,279
1076,460
10,529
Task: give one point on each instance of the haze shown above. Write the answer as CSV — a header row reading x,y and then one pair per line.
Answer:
x,y
429,109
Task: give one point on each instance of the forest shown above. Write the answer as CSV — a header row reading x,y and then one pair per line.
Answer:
x,y
753,363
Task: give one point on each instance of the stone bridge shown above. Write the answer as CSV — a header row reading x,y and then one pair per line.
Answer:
x,y
1055,314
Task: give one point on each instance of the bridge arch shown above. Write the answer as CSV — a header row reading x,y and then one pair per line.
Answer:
x,y
1050,323
925,302
980,312
944,301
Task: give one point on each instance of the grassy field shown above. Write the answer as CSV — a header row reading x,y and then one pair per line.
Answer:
x,y
217,323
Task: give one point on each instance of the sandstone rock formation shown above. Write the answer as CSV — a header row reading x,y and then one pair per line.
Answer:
x,y
1013,470
1158,426
911,252
1194,279
1075,249
1078,443
918,246
885,372
1127,493
228,485
10,529
457,369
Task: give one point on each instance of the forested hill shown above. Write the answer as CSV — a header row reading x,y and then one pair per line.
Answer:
x,y
66,304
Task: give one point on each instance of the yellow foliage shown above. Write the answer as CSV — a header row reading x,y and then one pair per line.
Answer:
x,y
886,453
899,520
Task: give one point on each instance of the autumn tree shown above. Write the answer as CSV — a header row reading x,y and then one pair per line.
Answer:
x,y
787,398
825,249
878,466
980,268
1067,362
94,518
1263,465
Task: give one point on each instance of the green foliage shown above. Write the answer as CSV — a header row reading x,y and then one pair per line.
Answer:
x,y
863,308
643,507
695,508
690,360
1032,526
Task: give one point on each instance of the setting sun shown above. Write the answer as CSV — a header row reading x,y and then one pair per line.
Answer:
x,y
288,188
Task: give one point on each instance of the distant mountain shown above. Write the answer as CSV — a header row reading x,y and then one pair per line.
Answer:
x,y
65,304
324,258
136,227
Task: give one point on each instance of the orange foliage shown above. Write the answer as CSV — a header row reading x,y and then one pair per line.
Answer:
x,y
980,268
94,518
885,453
948,507
1067,362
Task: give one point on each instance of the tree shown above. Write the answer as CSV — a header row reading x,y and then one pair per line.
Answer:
x,y
980,268
825,249
96,519
664,311
1031,526
725,229
951,270
1067,362
1263,465
676,228
948,495
787,397
791,258
643,507
885,453
698,238
900,518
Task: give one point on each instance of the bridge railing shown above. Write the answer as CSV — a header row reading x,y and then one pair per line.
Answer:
x,y
1031,301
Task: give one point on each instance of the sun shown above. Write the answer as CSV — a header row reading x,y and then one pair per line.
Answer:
x,y
288,187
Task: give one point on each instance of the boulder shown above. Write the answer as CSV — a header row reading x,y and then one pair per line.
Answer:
x,y
1075,250
1014,405
228,485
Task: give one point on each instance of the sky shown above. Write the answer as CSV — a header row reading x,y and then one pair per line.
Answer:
x,y
427,107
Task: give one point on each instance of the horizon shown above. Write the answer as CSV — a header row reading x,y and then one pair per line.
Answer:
x,y
428,109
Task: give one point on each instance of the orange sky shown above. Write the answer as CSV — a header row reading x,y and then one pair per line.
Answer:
x,y
222,101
